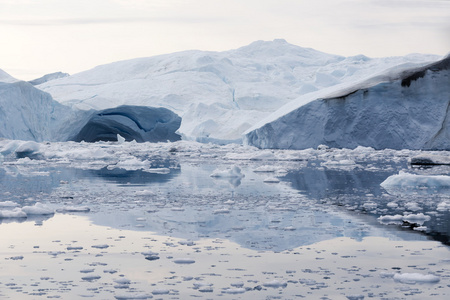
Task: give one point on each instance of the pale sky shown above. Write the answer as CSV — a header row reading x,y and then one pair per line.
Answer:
x,y
45,36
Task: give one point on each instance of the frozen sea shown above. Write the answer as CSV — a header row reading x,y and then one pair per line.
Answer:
x,y
186,221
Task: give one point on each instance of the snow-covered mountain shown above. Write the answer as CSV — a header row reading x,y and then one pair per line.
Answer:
x,y
402,108
218,95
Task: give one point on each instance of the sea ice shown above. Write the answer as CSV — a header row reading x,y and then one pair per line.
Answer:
x,y
38,209
416,278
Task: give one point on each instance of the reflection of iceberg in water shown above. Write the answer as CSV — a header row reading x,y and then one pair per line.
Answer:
x,y
355,188
122,176
254,215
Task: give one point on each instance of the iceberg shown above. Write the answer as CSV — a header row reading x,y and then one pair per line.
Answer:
x,y
403,108
218,95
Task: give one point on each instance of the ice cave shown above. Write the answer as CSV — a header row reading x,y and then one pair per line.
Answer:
x,y
139,123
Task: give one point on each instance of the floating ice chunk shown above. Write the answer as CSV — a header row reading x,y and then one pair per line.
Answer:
x,y
74,248
412,218
221,211
392,205
412,278
275,284
91,278
412,206
15,213
160,292
133,296
391,219
87,271
27,149
405,181
9,204
177,209
120,139
355,297
101,246
122,280
271,180
370,205
184,261
339,164
430,159
187,243
420,228
19,257
201,284
443,206
238,284
415,218
234,291
235,171
144,193
74,209
38,209
157,170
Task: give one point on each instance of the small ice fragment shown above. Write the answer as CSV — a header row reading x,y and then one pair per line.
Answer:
x,y
120,139
234,291
271,180
9,204
289,228
416,278
238,284
177,209
221,211
275,284
101,246
74,209
91,278
11,214
200,284
184,261
355,297
144,193
19,257
38,209
152,257
186,243
133,296
87,270
160,292
122,280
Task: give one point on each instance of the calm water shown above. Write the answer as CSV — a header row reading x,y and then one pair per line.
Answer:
x,y
183,234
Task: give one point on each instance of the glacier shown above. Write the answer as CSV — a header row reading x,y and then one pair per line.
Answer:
x,y
406,107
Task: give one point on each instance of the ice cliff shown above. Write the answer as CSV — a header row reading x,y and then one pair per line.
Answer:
x,y
402,108
27,113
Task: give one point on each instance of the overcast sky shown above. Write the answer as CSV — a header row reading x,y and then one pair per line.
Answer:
x,y
44,36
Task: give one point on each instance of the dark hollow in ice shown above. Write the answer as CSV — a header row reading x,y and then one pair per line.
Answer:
x,y
139,123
